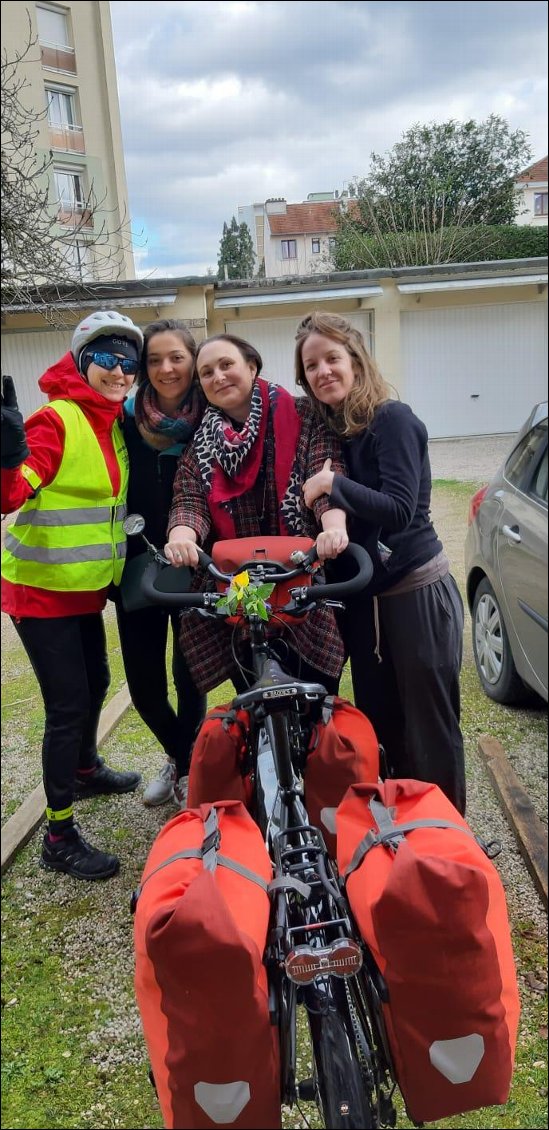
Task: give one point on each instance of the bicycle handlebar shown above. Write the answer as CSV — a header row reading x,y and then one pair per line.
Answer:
x,y
303,597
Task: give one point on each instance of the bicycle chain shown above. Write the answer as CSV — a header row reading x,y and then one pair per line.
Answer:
x,y
365,1066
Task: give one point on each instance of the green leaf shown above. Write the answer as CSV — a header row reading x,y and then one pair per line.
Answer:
x,y
264,591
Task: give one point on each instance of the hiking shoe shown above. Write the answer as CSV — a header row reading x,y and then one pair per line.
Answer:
x,y
76,857
104,780
160,791
180,791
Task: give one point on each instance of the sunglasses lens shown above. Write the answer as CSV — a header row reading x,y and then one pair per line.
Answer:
x,y
111,361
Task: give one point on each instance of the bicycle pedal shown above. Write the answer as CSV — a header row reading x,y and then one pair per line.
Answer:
x,y
306,1090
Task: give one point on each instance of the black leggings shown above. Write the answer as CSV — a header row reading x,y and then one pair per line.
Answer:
x,y
68,655
144,641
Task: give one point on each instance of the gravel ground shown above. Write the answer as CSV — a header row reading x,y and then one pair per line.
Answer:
x,y
468,460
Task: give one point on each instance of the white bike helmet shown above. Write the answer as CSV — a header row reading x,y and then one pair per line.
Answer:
x,y
104,322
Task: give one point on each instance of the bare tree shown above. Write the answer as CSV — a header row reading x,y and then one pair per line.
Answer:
x,y
47,250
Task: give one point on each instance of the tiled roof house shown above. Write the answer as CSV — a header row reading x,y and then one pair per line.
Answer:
x,y
532,186
293,239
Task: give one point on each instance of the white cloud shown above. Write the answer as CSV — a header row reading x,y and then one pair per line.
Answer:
x,y
228,103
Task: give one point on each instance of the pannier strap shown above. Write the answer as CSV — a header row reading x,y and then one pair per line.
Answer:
x,y
209,854
328,707
289,883
391,835
228,718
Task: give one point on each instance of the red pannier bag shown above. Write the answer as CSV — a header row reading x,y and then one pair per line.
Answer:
x,y
343,751
431,907
201,923
219,768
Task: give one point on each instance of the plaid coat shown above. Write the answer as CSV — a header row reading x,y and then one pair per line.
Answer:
x,y
208,644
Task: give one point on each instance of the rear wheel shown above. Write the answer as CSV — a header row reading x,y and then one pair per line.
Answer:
x,y
341,1087
492,651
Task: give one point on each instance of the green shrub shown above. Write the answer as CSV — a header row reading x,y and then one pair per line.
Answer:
x,y
355,250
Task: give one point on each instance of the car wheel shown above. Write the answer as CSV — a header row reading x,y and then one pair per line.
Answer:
x,y
491,649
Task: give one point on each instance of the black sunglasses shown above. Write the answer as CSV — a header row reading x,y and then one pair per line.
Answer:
x,y
111,361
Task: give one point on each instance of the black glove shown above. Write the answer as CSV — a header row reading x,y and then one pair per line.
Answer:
x,y
14,441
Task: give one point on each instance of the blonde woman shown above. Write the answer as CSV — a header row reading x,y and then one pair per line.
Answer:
x,y
404,633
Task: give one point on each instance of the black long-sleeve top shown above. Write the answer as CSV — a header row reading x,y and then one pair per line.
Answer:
x,y
150,486
388,493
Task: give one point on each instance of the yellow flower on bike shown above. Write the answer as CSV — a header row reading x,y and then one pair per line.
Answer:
x,y
240,582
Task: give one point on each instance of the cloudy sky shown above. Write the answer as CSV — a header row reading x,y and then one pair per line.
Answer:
x,y
229,103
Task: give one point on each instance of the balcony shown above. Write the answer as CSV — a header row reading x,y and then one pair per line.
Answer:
x,y
58,58
75,216
68,139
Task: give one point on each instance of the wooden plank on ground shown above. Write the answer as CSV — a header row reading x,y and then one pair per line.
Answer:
x,y
18,830
529,831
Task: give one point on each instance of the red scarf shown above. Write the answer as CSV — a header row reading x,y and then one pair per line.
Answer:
x,y
277,405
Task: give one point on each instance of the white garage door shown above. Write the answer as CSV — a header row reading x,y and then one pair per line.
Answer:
x,y
274,338
474,370
25,356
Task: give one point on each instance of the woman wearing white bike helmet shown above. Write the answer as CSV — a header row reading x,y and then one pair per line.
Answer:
x,y
66,472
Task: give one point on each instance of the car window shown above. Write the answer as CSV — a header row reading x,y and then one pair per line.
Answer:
x,y
523,460
539,482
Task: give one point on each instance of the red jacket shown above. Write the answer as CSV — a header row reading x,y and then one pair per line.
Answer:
x,y
45,438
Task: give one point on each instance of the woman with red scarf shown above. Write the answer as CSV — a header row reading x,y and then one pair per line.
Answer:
x,y
242,477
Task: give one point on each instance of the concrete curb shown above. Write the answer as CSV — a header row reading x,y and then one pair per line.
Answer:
x,y
529,832
18,830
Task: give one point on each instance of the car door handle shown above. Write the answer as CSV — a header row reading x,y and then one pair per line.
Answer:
x,y
512,533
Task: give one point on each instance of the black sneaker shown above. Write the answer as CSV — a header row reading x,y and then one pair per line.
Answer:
x,y
104,780
76,857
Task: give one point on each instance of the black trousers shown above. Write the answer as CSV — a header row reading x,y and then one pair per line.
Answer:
x,y
144,641
68,655
412,696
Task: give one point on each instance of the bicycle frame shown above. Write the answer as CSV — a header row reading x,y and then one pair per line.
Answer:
x,y
315,956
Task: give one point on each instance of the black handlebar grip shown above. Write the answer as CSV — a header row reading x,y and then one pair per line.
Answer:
x,y
168,599
339,590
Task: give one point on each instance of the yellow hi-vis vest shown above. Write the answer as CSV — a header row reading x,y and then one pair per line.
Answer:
x,y
69,537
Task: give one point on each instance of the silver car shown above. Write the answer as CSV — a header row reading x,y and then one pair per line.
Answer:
x,y
506,569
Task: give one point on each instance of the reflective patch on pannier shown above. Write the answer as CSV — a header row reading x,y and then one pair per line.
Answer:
x,y
222,1102
457,1059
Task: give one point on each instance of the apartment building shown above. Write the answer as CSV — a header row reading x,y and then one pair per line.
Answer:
x,y
532,187
70,84
294,239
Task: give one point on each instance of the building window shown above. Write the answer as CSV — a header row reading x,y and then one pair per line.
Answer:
x,y
315,246
71,200
78,258
332,244
54,37
70,190
540,203
65,131
60,108
289,248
